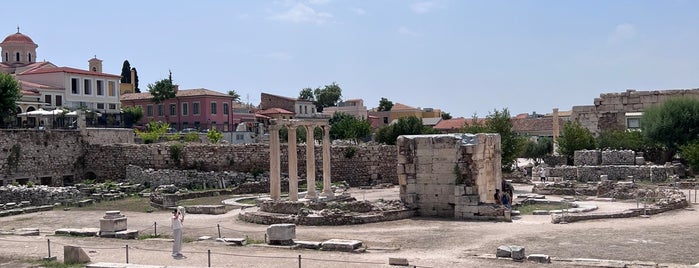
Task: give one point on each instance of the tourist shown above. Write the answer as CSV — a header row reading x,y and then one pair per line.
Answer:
x,y
506,200
543,173
177,220
498,197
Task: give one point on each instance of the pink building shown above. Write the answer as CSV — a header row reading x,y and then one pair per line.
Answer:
x,y
191,108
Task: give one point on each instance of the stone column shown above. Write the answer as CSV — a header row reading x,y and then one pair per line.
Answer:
x,y
293,165
327,190
556,131
310,163
274,163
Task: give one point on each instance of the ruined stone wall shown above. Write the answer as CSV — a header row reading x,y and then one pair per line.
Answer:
x,y
618,157
587,158
39,195
613,172
108,135
366,165
191,179
40,157
449,175
609,110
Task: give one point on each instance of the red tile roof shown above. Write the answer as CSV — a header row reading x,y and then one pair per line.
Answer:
x,y
450,124
180,93
400,106
274,111
66,70
18,38
28,85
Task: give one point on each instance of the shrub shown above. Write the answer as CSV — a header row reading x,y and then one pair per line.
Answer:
x,y
214,136
350,152
191,137
690,152
176,152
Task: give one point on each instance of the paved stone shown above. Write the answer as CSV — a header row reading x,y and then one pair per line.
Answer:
x,y
233,241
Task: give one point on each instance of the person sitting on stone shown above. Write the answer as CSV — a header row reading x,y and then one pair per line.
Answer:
x,y
498,197
506,200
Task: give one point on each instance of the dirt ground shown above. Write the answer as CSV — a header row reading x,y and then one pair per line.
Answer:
x,y
426,242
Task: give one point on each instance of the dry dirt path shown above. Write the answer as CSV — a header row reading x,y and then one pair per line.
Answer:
x,y
426,242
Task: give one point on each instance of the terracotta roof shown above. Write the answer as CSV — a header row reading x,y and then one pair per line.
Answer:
x,y
450,124
262,116
18,38
400,106
274,111
180,93
28,85
66,70
25,92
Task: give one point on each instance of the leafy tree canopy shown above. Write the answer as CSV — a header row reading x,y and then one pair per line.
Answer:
x,y
346,126
574,137
162,89
328,96
624,140
537,149
10,94
404,126
673,123
306,94
446,116
385,105
499,122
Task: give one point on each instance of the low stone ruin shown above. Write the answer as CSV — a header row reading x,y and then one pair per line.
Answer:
x,y
113,225
589,165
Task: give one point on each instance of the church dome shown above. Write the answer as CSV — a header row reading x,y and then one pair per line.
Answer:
x,y
18,38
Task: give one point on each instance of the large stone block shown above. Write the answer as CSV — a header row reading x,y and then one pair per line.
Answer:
x,y
341,245
281,234
73,255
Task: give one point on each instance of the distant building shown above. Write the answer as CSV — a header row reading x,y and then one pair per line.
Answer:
x,y
353,107
621,111
191,108
400,110
57,86
299,107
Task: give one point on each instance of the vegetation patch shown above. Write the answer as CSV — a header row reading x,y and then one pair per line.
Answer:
x,y
529,209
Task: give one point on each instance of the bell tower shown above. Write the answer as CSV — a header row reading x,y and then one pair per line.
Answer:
x,y
95,65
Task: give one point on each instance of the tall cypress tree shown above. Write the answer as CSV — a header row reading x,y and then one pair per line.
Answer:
x,y
126,72
135,82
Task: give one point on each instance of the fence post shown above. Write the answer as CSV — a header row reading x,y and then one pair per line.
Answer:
x,y
49,242
209,256
127,253
299,260
155,228
219,230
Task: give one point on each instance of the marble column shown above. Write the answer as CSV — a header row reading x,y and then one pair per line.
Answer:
x,y
293,165
274,164
327,188
310,163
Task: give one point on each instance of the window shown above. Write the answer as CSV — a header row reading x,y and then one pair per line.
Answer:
x,y
385,120
47,99
213,108
7,57
29,57
225,109
87,87
17,56
112,106
100,88
173,109
185,108
59,100
74,86
149,110
305,109
239,137
161,110
100,106
112,88
633,123
195,108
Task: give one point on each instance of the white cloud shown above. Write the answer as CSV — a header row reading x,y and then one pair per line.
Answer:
x,y
300,13
278,55
422,7
358,11
622,33
405,31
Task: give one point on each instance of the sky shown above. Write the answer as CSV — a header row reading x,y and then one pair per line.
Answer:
x,y
463,57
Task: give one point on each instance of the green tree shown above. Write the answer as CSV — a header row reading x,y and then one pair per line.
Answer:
x,y
154,131
346,126
673,123
446,116
235,95
135,81
385,105
624,140
574,137
162,89
690,152
328,96
132,114
306,94
126,72
214,136
536,150
404,126
10,94
476,126
499,122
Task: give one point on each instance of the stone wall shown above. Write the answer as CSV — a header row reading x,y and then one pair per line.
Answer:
x,y
108,135
448,175
191,179
39,195
613,172
618,157
50,157
587,158
609,110
365,165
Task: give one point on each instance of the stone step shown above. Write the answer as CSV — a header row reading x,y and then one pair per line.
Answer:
x,y
341,245
307,244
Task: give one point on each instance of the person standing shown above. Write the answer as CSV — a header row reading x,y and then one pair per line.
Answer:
x,y
543,174
177,220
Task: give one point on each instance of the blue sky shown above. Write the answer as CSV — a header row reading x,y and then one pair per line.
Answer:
x,y
463,57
